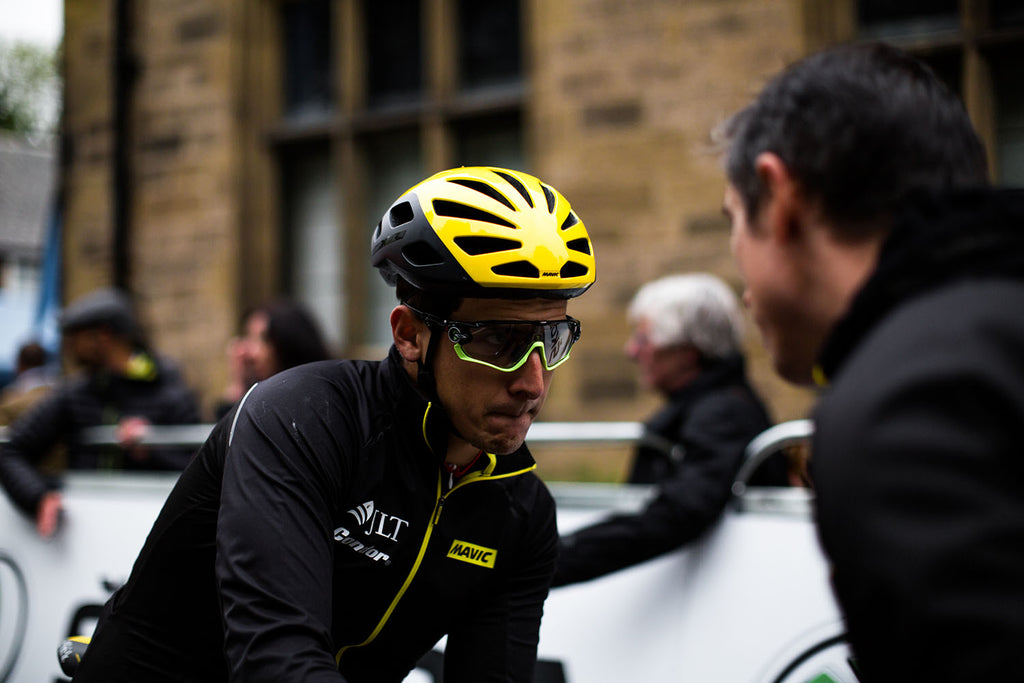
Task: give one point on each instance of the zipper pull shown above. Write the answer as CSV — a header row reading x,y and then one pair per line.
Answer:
x,y
437,509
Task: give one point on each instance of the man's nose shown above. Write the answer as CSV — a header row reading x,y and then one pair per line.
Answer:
x,y
529,378
631,348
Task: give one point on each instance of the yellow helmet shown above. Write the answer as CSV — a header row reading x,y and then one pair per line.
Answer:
x,y
485,232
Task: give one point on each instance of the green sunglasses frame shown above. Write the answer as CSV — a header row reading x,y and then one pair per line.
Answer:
x,y
456,336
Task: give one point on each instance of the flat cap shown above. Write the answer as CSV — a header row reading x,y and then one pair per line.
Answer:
x,y
103,307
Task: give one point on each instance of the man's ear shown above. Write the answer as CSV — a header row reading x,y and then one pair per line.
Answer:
x,y
410,334
784,208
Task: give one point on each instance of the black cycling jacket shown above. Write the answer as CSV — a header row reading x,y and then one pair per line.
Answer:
x,y
318,524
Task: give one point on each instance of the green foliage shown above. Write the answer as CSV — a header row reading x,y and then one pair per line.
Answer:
x,y
29,88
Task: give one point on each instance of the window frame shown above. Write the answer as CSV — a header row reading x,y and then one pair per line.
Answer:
x,y
827,22
437,114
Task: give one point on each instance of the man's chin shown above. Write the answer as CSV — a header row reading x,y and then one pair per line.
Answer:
x,y
505,434
503,445
504,442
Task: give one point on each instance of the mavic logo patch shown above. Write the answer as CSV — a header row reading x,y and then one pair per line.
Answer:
x,y
474,554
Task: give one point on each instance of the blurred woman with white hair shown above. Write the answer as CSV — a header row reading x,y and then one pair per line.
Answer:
x,y
687,342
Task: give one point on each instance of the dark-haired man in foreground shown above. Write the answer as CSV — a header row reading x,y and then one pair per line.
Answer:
x,y
880,263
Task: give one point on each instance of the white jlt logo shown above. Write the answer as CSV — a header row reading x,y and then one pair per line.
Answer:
x,y
381,520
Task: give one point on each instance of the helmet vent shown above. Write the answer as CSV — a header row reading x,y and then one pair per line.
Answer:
x,y
520,188
581,244
474,245
421,254
443,207
549,196
400,214
573,269
570,220
517,269
483,188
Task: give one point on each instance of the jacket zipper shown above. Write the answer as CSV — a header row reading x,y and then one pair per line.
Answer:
x,y
442,496
408,579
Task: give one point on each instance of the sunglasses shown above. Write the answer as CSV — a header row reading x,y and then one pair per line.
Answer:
x,y
507,344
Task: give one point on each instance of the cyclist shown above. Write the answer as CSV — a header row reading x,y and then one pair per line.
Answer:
x,y
348,514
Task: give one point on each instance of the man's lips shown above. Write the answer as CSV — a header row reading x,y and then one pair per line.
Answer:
x,y
511,413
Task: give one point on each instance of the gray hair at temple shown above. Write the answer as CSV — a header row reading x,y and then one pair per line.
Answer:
x,y
695,309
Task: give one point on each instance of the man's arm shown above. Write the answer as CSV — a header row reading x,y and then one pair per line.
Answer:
x,y
175,405
274,556
714,436
30,438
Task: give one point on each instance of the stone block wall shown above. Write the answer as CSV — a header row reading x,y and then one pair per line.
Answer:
x,y
622,97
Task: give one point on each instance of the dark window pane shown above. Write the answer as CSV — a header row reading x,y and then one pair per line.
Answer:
x,y
490,141
489,52
394,48
949,66
312,249
1006,13
1006,70
308,68
393,165
888,19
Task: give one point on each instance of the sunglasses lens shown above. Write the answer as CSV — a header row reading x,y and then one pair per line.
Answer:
x,y
558,340
498,345
506,346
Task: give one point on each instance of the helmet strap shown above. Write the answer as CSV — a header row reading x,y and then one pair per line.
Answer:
x,y
425,370
427,383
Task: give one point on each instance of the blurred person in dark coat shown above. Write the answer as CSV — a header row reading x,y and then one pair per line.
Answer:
x,y
687,335
119,382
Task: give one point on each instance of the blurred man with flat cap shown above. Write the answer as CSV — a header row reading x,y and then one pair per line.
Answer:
x,y
120,382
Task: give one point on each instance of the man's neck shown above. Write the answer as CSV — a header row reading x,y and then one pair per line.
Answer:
x,y
840,271
460,453
118,357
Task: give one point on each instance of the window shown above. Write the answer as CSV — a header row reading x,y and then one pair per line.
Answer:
x,y
975,46
394,164
374,97
489,35
309,76
883,19
394,48
1007,13
314,258
1009,100
495,140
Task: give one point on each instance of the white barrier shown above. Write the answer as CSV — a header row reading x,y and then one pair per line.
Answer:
x,y
50,589
744,604
748,603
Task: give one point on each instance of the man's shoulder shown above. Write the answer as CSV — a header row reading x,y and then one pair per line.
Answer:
x,y
959,336
946,326
530,498
735,401
331,395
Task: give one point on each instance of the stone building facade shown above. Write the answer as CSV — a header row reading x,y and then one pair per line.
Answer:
x,y
218,152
